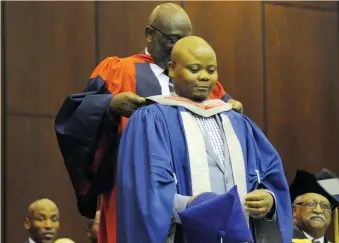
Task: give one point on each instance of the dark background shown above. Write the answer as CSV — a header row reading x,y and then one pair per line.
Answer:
x,y
280,59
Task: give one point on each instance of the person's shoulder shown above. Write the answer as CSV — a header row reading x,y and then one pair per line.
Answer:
x,y
153,112
156,109
125,62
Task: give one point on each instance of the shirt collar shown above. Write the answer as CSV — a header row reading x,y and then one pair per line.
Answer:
x,y
30,240
157,70
321,240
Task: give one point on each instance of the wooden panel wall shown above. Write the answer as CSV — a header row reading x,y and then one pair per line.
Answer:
x,y
302,73
302,83
234,31
49,48
279,58
123,34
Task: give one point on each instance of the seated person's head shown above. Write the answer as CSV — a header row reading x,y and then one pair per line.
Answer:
x,y
92,229
312,214
64,240
193,67
42,221
313,201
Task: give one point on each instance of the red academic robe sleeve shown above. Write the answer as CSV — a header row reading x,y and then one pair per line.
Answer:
x,y
219,93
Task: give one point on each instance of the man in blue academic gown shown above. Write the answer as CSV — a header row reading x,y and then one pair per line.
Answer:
x,y
89,124
192,170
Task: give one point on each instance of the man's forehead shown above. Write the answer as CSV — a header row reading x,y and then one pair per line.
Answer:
x,y
313,196
191,55
43,206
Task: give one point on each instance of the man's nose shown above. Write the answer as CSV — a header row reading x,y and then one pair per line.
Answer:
x,y
318,209
48,224
203,75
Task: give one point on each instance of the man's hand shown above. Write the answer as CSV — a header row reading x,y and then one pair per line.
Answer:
x,y
236,105
258,203
126,103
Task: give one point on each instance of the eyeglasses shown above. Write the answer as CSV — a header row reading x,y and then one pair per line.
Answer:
x,y
312,204
170,39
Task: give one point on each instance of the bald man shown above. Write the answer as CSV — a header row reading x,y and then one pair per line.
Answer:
x,y
64,240
89,124
191,163
42,221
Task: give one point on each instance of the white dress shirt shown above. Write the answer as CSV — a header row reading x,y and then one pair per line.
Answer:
x,y
162,78
321,240
30,240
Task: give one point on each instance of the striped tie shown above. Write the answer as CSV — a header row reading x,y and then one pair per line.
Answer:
x,y
170,82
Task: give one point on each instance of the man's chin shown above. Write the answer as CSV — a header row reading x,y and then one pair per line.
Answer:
x,y
199,98
162,62
48,240
317,223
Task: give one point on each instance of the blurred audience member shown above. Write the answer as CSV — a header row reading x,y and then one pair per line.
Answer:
x,y
64,240
92,230
42,221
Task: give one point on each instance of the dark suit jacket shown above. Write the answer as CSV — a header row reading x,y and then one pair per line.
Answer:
x,y
298,234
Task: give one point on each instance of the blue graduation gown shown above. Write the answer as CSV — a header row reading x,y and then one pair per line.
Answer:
x,y
153,149
88,137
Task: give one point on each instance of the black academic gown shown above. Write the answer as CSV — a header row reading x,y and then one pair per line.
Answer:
x,y
298,234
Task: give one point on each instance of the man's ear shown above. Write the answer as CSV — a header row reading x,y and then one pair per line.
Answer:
x,y
149,33
294,215
27,223
171,67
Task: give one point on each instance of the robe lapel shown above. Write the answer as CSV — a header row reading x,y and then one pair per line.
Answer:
x,y
147,83
298,234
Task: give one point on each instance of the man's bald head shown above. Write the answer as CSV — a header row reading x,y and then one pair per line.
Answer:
x,y
64,240
167,23
191,46
42,220
163,14
193,67
40,204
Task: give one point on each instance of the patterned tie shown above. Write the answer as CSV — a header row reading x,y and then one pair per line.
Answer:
x,y
170,82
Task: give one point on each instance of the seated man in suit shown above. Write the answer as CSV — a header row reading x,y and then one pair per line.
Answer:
x,y
189,163
42,221
92,229
313,198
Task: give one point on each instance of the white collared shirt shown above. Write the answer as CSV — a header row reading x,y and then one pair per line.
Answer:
x,y
30,240
321,240
162,78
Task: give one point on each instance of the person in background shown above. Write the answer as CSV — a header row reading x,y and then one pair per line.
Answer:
x,y
92,229
42,221
313,199
64,240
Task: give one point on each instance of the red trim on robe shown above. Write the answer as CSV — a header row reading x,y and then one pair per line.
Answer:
x,y
217,103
